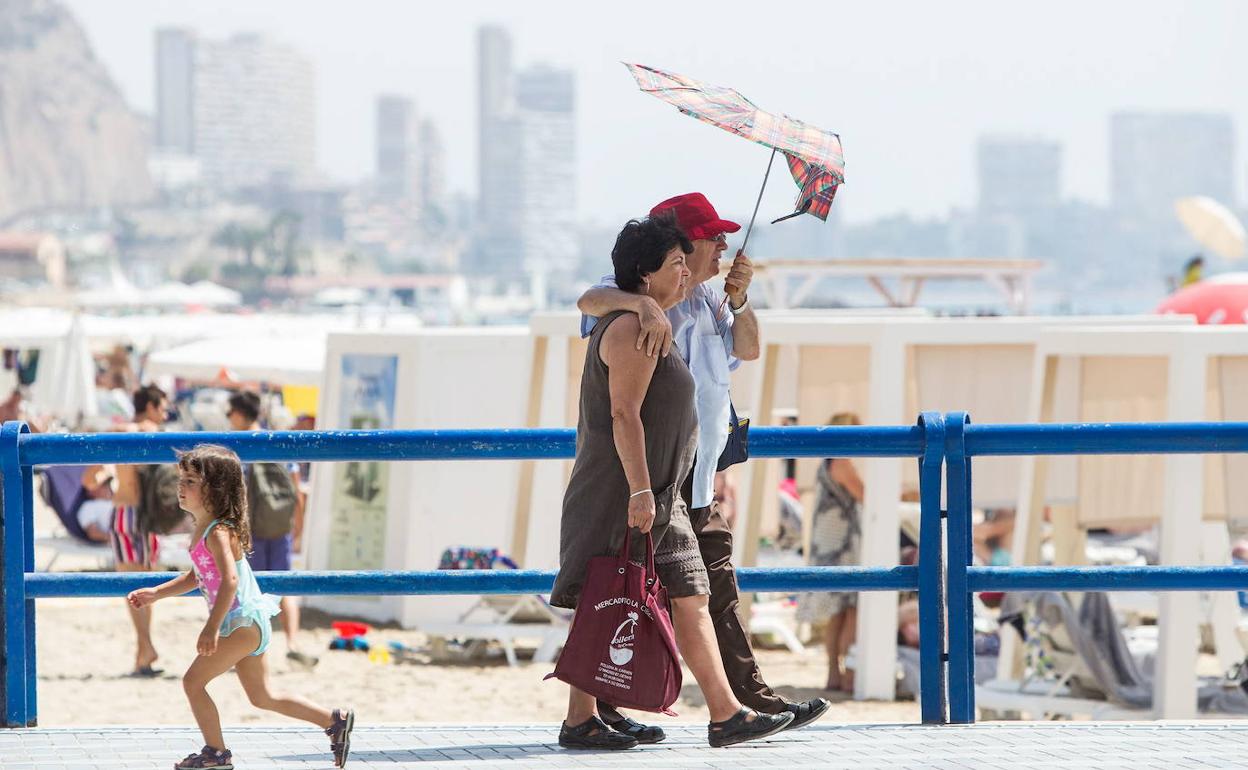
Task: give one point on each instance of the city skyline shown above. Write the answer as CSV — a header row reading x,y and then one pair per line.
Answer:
x,y
910,105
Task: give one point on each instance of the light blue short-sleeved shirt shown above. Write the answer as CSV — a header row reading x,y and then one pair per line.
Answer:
x,y
702,334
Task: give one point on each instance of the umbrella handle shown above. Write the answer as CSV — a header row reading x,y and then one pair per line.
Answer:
x,y
760,199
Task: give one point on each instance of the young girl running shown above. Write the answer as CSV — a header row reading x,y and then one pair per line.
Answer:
x,y
210,488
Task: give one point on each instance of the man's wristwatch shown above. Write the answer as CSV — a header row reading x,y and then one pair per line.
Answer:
x,y
739,310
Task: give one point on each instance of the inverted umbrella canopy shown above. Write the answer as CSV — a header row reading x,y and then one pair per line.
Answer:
x,y
813,154
1222,299
1212,225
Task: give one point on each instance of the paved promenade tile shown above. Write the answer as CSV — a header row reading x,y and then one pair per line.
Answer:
x,y
1131,746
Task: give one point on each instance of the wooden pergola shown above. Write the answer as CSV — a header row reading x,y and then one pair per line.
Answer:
x,y
787,283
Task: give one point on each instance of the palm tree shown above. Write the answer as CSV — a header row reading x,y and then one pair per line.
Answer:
x,y
241,238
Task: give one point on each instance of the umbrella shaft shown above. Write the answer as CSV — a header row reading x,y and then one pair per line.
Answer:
x,y
750,227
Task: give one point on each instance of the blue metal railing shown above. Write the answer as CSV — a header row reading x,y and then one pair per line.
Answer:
x,y
20,586
944,577
965,440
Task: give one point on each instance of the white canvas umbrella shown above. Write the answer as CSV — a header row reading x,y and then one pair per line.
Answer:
x,y
67,387
1212,225
211,294
295,359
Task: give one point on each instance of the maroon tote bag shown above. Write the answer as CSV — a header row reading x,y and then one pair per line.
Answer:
x,y
621,647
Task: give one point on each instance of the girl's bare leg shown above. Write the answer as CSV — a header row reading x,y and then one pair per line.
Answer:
x,y
253,673
230,650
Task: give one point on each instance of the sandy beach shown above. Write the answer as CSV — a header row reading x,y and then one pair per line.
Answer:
x,y
86,647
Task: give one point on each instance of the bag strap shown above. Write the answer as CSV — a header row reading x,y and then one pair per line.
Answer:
x,y
651,575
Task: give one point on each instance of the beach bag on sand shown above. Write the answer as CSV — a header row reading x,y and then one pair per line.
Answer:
x,y
621,647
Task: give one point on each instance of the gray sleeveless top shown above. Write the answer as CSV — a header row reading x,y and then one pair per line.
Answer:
x,y
595,505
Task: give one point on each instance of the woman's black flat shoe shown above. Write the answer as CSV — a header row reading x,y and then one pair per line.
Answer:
x,y
741,728
643,733
594,734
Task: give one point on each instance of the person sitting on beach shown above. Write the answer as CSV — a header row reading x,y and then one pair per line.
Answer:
x,y
95,515
211,489
276,551
713,332
636,438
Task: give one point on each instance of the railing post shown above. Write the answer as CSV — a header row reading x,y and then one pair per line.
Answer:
x,y
13,684
932,696
957,589
28,547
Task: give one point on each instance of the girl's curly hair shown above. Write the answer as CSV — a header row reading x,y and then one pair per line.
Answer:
x,y
224,491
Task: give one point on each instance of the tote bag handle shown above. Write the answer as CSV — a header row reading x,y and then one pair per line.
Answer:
x,y
651,575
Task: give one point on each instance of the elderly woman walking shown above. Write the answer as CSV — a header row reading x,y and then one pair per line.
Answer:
x,y
636,439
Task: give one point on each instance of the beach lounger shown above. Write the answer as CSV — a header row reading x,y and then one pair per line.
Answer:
x,y
505,620
1080,663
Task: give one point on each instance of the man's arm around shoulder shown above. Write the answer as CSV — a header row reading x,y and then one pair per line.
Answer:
x,y
656,330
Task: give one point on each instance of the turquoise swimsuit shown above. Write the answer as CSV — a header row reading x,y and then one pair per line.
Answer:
x,y
250,607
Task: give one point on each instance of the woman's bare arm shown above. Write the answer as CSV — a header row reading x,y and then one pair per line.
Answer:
x,y
844,473
628,379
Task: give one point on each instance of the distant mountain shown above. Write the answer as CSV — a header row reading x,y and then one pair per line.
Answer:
x,y
67,138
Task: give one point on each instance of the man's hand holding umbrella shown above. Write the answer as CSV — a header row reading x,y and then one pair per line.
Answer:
x,y
737,282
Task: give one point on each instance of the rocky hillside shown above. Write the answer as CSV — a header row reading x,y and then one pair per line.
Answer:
x,y
67,139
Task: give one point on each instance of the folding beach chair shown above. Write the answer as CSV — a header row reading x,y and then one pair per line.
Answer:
x,y
499,618
1079,662
61,489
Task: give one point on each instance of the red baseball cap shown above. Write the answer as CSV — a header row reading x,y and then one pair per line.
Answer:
x,y
696,216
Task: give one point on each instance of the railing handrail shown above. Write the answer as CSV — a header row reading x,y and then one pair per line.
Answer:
x,y
1116,578
1002,440
380,445
45,585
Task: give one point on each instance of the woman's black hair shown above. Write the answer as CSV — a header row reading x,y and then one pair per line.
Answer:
x,y
641,247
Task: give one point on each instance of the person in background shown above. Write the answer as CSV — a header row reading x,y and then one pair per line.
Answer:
x,y
835,541
134,549
95,515
273,553
1193,271
726,497
112,399
11,407
790,463
14,408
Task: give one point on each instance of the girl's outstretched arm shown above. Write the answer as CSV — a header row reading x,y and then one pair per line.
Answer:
x,y
141,597
220,545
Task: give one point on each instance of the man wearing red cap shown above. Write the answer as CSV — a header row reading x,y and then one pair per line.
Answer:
x,y
713,338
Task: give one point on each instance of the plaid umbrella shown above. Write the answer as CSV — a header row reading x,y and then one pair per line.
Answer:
x,y
814,155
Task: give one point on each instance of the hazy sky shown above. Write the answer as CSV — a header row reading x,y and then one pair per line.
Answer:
x,y
909,86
